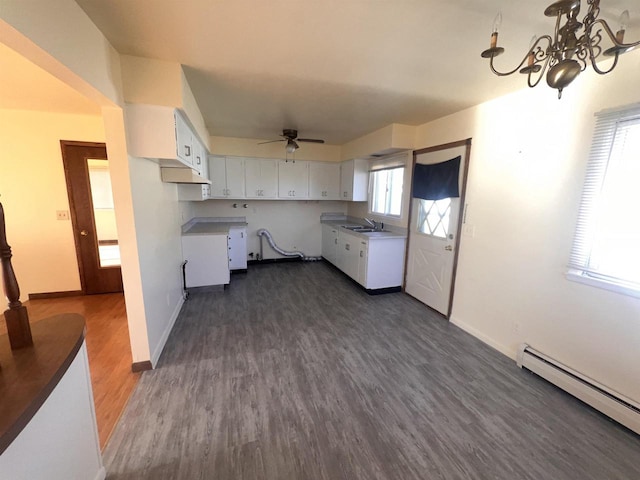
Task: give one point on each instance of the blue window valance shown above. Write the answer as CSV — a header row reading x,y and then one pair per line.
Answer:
x,y
437,181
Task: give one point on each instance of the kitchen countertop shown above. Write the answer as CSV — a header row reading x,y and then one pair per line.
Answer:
x,y
212,225
387,233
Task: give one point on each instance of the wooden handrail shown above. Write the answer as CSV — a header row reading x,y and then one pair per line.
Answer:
x,y
17,317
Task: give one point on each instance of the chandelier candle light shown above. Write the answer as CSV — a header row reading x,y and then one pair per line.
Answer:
x,y
569,51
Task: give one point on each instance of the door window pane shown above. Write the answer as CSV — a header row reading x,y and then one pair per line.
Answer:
x,y
433,217
103,212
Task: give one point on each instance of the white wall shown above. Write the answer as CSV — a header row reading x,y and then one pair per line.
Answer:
x,y
33,188
295,225
61,440
158,222
528,159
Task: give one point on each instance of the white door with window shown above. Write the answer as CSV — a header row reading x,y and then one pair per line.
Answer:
x,y
433,232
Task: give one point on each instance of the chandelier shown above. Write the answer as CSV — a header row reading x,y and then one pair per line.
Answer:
x,y
573,46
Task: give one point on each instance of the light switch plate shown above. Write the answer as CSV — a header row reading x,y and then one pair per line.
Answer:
x,y
469,231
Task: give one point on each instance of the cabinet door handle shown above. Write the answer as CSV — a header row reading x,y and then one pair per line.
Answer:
x,y
187,151
335,241
198,160
294,192
361,254
347,246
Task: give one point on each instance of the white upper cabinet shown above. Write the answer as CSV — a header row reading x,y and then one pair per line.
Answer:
x,y
235,178
261,177
184,140
227,177
293,179
324,181
354,180
163,134
199,156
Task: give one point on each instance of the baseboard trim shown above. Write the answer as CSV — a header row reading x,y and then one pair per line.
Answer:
x,y
274,260
167,331
511,353
141,366
46,295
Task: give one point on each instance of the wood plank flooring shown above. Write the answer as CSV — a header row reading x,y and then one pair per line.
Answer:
x,y
108,349
293,372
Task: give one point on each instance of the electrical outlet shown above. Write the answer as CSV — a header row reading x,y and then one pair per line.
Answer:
x,y
62,214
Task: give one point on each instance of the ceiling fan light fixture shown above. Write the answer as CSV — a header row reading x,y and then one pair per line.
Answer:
x,y
291,147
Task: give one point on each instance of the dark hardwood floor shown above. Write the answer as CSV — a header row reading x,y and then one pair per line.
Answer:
x,y
293,372
108,349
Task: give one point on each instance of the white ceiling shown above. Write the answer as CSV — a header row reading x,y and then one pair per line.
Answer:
x,y
333,69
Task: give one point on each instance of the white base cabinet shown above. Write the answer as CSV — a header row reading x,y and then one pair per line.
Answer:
x,y
207,260
237,248
375,263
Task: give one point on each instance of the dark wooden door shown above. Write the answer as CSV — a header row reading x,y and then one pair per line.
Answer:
x,y
99,273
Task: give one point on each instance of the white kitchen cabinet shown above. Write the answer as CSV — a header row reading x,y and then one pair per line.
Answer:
x,y
207,260
162,134
261,177
293,179
348,254
227,177
200,163
373,262
363,254
194,193
329,242
184,140
384,263
354,180
237,241
324,181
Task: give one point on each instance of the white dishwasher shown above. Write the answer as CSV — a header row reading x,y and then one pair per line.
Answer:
x,y
207,259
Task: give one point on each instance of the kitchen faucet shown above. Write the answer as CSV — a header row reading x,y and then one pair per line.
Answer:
x,y
373,223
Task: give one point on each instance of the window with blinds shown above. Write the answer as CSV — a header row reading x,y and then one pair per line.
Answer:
x,y
606,247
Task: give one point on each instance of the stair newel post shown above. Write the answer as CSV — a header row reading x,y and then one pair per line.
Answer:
x,y
16,316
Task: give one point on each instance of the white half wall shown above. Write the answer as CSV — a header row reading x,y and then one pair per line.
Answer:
x,y
528,157
61,440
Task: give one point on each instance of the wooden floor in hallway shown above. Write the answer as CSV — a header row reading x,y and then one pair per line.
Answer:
x,y
108,349
294,372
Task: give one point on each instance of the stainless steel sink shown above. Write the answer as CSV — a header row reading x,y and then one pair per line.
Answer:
x,y
358,228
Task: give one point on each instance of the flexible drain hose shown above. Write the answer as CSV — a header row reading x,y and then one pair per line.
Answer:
x,y
263,232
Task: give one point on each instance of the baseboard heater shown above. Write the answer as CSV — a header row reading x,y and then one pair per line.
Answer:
x,y
621,409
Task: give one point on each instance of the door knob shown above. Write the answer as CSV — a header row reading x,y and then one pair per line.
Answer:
x,y
84,233
448,248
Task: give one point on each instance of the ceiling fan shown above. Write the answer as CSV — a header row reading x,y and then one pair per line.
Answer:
x,y
290,136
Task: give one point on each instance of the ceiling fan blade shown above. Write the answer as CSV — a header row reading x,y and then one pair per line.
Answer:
x,y
309,140
273,141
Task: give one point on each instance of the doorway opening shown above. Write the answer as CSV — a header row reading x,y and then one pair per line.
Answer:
x,y
93,220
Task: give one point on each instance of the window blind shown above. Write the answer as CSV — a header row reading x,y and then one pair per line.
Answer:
x,y
389,162
612,131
